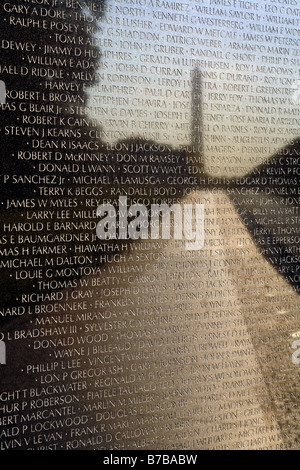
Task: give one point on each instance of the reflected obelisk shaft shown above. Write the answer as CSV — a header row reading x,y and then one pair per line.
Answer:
x,y
197,116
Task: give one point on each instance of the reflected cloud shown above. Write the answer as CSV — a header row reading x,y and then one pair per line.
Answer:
x,y
249,110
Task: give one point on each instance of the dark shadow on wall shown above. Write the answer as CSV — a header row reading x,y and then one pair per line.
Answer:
x,y
268,201
39,163
263,197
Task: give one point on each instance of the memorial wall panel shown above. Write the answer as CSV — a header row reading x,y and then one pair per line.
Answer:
x,y
149,225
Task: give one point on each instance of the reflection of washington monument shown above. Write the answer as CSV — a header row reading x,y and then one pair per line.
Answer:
x,y
196,115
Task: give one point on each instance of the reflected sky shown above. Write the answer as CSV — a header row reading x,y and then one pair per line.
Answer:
x,y
249,59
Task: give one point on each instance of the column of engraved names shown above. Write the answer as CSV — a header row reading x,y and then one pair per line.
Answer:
x,y
39,235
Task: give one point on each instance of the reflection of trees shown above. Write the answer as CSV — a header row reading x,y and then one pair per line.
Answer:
x,y
54,102
269,206
52,108
115,168
45,105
